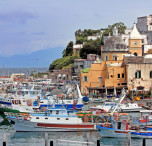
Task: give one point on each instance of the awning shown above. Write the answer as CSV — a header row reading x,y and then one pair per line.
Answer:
x,y
140,88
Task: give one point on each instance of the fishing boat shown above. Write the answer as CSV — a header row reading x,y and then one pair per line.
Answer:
x,y
106,106
69,104
25,93
55,119
5,100
129,107
144,119
120,127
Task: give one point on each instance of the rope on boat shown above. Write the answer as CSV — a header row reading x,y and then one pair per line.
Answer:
x,y
137,120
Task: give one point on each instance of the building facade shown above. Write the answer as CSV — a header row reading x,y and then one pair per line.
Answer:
x,y
139,72
109,75
60,75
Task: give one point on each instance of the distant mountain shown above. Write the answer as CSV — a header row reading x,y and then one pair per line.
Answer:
x,y
41,58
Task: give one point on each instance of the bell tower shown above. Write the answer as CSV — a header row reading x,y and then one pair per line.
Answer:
x,y
135,43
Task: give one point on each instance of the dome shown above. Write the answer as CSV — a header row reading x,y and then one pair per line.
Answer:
x,y
115,44
148,56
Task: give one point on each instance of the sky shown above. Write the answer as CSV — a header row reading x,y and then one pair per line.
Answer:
x,y
33,33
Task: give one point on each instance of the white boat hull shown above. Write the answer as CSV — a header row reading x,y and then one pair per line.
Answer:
x,y
27,126
131,110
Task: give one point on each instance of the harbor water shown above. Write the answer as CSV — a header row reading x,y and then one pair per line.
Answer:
x,y
62,139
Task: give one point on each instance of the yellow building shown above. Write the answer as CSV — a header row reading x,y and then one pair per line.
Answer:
x,y
135,44
109,74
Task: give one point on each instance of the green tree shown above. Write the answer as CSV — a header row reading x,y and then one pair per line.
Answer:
x,y
62,62
91,47
120,26
69,50
81,36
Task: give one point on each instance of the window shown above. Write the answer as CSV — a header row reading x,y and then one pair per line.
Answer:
x,y
138,74
123,76
123,83
100,79
58,118
118,84
37,117
57,112
67,119
46,118
118,76
150,74
106,58
50,111
85,79
115,57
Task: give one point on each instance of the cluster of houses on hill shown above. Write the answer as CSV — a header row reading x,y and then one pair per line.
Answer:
x,y
125,62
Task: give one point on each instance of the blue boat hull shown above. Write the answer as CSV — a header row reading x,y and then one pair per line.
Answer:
x,y
67,106
111,132
6,103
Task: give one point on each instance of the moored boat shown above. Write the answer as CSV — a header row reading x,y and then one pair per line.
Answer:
x,y
120,127
55,119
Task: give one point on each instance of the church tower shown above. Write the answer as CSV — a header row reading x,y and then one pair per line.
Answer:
x,y
135,43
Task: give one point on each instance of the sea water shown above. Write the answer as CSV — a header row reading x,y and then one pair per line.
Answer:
x,y
70,139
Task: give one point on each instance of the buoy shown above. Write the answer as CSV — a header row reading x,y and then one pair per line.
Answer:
x,y
124,121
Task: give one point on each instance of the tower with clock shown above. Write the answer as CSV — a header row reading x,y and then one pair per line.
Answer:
x,y
135,43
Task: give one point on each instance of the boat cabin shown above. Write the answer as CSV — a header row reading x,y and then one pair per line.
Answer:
x,y
53,112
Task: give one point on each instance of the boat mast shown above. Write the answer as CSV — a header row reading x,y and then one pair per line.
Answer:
x,y
119,102
79,93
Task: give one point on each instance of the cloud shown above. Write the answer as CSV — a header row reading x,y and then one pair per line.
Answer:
x,y
19,17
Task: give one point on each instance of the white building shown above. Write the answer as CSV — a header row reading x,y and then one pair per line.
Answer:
x,y
93,37
77,47
144,24
126,36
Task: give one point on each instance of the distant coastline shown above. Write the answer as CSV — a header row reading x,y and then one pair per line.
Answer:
x,y
26,71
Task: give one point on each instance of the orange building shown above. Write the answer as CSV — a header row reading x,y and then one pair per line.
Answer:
x,y
109,74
